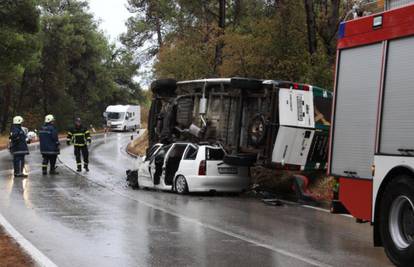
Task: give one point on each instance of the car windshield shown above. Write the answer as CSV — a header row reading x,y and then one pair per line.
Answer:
x,y
115,115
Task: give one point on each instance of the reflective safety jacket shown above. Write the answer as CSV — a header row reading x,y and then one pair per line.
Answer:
x,y
49,140
78,136
18,145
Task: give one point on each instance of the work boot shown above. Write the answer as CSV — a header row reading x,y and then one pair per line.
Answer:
x,y
20,175
44,170
86,168
79,169
53,172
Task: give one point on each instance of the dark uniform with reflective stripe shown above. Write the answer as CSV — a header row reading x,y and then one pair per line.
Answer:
x,y
79,137
18,147
49,146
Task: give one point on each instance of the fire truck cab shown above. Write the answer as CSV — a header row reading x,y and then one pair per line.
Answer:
x,y
372,134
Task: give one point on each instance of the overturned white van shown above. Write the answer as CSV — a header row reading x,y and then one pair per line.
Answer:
x,y
269,123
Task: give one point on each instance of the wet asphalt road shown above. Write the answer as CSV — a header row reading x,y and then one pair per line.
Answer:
x,y
96,220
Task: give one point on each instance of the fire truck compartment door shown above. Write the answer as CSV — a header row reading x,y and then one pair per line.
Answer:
x,y
296,108
357,92
391,4
397,129
292,145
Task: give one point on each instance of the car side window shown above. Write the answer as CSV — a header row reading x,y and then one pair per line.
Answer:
x,y
215,154
151,152
191,153
161,152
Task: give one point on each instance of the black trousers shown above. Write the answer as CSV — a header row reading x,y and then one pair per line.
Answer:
x,y
18,164
82,150
49,158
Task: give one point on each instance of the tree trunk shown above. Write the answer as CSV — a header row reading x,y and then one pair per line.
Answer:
x,y
311,26
333,24
159,33
219,47
328,29
7,91
237,12
155,13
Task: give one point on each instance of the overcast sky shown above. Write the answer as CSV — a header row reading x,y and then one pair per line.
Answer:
x,y
112,14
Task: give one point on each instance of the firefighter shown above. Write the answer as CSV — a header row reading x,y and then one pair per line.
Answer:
x,y
49,145
18,146
79,137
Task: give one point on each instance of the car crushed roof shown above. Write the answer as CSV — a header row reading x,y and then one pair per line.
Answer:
x,y
188,143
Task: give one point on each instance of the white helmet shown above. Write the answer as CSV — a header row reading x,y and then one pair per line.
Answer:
x,y
18,120
49,118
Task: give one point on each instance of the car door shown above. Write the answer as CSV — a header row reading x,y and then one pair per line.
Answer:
x,y
172,162
144,167
188,165
158,158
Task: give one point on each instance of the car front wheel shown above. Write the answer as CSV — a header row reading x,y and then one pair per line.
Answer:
x,y
397,221
180,185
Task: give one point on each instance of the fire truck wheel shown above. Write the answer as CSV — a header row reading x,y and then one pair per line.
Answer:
x,y
397,220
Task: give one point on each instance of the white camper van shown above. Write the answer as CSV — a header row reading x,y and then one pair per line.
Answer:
x,y
123,117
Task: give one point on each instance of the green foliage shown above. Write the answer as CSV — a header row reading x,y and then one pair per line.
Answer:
x,y
57,61
262,39
19,21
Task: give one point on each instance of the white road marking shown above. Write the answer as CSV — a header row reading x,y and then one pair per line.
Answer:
x,y
36,254
325,210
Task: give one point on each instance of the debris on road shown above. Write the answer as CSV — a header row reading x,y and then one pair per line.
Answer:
x,y
273,202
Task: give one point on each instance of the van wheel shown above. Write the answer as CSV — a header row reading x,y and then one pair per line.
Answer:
x,y
397,220
125,129
180,185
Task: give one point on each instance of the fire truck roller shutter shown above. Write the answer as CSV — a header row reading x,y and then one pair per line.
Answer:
x,y
356,111
391,4
397,129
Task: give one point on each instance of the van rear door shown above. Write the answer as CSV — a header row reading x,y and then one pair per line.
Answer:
x,y
296,108
292,146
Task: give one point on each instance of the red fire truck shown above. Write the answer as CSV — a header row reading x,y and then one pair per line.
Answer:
x,y
372,135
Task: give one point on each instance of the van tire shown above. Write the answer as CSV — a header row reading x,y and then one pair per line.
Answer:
x,y
257,130
396,214
164,87
180,185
